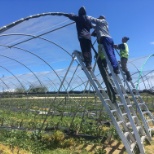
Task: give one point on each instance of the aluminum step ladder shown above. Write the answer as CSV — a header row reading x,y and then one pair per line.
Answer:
x,y
142,132
127,136
126,109
146,116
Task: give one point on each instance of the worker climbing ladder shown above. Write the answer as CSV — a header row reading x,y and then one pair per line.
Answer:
x,y
130,137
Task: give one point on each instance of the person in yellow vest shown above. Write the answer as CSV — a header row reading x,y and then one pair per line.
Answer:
x,y
124,53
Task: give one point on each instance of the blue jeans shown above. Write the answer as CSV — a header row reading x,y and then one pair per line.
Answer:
x,y
108,43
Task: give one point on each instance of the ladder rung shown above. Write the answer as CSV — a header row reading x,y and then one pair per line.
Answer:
x,y
143,139
123,95
145,112
141,103
112,111
133,146
94,79
106,99
126,134
100,89
129,105
120,122
149,120
120,104
134,117
138,128
128,124
124,114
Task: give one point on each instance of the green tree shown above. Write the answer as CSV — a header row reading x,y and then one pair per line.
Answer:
x,y
37,89
20,90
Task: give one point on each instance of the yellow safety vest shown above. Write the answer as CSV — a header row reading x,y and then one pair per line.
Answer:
x,y
124,52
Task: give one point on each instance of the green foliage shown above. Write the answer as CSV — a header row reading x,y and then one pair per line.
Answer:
x,y
114,133
38,143
37,89
67,116
20,90
100,151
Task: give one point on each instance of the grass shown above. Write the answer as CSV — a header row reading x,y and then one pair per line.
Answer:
x,y
79,115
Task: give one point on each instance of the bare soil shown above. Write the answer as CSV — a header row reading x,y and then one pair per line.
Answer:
x,y
113,147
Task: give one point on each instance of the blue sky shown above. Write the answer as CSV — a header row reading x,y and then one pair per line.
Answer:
x,y
133,18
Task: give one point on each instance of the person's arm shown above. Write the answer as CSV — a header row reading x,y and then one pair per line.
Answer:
x,y
70,16
92,19
121,46
62,14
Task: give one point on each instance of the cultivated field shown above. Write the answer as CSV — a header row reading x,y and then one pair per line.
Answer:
x,y
46,124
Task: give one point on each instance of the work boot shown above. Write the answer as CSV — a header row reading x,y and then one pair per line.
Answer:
x,y
89,67
116,70
110,74
128,76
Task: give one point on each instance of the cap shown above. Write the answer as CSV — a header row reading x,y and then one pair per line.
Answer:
x,y
125,38
101,17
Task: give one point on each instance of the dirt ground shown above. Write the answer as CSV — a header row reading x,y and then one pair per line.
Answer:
x,y
118,148
113,147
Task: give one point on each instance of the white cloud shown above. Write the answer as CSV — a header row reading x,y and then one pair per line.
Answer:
x,y
152,43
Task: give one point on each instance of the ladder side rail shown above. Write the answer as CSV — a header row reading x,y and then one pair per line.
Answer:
x,y
138,107
133,115
141,100
106,96
127,98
